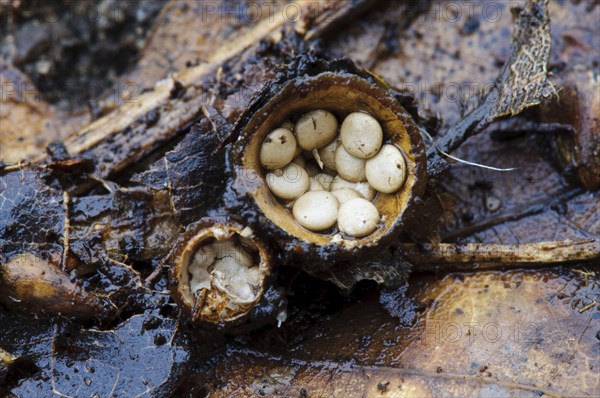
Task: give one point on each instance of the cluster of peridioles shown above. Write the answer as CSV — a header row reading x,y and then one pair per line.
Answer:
x,y
328,174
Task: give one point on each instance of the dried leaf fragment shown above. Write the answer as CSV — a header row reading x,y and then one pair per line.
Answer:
x,y
525,76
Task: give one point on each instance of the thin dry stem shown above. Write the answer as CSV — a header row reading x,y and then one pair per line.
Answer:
x,y
478,256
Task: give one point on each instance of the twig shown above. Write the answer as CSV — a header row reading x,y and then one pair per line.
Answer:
x,y
587,307
67,228
471,256
520,213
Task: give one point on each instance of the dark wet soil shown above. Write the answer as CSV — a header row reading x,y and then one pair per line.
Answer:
x,y
74,51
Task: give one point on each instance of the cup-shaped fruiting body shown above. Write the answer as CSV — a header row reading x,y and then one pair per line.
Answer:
x,y
359,101
219,272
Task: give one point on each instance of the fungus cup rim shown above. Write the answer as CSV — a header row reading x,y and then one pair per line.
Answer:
x,y
184,252
340,93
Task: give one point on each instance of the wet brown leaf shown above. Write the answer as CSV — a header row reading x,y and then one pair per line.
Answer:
x,y
487,334
138,358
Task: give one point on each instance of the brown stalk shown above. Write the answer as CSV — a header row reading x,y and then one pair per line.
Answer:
x,y
481,256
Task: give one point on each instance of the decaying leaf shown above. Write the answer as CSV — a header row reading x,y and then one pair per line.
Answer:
x,y
485,334
522,82
140,357
527,81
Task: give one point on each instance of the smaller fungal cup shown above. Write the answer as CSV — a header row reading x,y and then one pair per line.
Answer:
x,y
219,272
341,93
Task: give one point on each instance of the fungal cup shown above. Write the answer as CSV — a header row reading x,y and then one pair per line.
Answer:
x,y
340,93
219,273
